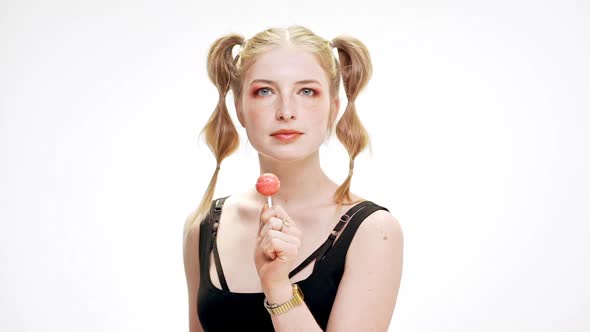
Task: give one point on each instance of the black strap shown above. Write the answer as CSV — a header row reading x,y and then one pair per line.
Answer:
x,y
216,209
308,260
320,252
348,233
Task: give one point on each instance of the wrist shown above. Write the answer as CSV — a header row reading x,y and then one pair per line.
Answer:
x,y
278,293
295,300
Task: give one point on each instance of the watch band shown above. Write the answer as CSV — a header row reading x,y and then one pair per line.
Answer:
x,y
297,299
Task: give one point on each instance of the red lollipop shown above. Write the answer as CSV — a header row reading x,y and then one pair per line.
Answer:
x,y
267,185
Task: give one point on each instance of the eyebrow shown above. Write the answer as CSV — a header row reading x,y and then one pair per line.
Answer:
x,y
274,83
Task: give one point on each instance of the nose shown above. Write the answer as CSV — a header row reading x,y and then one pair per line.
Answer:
x,y
286,109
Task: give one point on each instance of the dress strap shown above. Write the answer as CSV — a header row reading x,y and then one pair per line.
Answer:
x,y
345,239
320,252
216,209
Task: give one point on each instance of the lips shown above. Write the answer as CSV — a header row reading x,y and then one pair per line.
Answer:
x,y
286,132
286,135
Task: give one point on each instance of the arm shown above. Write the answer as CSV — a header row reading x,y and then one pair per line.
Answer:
x,y
191,269
368,290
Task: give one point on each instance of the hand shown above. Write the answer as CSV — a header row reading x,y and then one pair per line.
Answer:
x,y
277,246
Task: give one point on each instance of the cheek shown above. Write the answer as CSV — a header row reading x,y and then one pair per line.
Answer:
x,y
252,119
255,109
258,106
319,108
256,122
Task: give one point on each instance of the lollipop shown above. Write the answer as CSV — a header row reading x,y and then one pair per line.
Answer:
x,y
267,185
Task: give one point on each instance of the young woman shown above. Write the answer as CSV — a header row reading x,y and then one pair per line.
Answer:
x,y
321,258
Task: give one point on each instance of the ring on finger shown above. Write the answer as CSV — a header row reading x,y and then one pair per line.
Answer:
x,y
286,223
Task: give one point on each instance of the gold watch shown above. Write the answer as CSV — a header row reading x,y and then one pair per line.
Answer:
x,y
297,299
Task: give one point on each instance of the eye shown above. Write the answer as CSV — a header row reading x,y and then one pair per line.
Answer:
x,y
263,92
308,92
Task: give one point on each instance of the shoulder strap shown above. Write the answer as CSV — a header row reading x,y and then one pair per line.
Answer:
x,y
323,249
348,233
216,206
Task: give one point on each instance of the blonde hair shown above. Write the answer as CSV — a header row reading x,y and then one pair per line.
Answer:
x,y
353,65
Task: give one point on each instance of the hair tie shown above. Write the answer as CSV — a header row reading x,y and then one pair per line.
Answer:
x,y
241,46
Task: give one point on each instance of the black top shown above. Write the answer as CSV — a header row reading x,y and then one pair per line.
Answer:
x,y
223,310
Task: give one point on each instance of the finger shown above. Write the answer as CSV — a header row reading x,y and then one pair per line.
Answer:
x,y
277,224
282,250
276,211
282,214
288,227
265,214
279,235
278,248
272,224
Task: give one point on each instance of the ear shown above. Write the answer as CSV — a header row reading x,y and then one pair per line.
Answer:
x,y
239,113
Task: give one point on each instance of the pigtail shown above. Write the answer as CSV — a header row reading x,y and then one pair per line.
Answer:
x,y
356,70
220,133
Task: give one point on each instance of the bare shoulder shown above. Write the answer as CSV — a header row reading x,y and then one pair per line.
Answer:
x,y
379,236
380,225
242,207
191,236
190,246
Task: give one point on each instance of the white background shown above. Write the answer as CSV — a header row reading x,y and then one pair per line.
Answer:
x,y
478,114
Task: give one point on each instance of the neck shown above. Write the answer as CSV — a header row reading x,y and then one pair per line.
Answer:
x,y
303,182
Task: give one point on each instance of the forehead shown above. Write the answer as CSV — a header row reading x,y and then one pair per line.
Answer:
x,y
286,64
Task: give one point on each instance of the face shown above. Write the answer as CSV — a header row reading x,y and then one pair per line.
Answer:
x,y
285,104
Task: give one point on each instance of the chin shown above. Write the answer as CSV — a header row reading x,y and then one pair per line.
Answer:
x,y
284,157
292,152
287,154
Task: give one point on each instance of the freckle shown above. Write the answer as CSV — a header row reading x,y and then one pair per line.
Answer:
x,y
385,237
